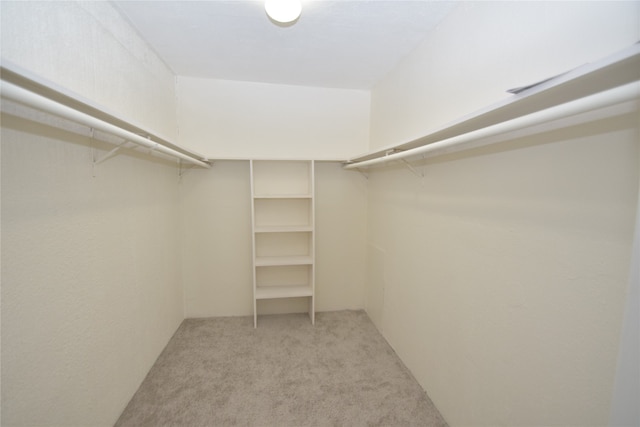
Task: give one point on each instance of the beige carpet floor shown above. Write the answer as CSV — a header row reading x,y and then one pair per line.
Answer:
x,y
222,371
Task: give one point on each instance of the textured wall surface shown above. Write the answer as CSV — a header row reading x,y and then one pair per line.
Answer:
x,y
484,48
504,274
88,48
90,283
245,120
500,277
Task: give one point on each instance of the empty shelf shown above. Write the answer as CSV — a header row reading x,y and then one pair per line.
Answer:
x,y
282,196
266,261
268,292
282,228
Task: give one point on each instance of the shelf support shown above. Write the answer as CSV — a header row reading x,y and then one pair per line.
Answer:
x,y
363,173
182,169
412,169
600,84
109,154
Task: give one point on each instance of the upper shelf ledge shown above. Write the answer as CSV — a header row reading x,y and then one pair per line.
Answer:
x,y
25,87
616,70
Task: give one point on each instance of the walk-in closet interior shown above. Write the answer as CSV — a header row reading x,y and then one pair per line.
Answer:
x,y
367,157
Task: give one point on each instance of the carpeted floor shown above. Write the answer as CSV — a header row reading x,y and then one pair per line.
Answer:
x,y
222,371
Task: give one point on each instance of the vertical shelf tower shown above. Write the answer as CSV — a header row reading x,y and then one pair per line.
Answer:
x,y
282,210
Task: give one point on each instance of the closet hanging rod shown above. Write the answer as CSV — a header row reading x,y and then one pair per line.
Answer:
x,y
480,137
34,94
616,70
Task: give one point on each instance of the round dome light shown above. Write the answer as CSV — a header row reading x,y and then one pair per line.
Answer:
x,y
283,10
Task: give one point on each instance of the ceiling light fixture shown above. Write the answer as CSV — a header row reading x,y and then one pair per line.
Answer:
x,y
283,11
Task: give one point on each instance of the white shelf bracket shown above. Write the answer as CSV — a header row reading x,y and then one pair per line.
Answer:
x,y
412,169
183,169
362,171
109,154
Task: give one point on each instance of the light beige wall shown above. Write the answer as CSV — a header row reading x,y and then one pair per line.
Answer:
x,y
341,227
500,277
90,277
90,282
484,48
216,241
624,405
242,120
88,48
215,230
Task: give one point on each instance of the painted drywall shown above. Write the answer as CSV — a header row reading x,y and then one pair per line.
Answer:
x,y
484,48
501,275
215,230
90,284
88,48
216,241
341,227
626,393
231,119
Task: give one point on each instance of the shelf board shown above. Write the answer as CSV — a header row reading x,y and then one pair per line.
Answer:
x,y
269,261
26,79
615,70
282,228
269,292
282,196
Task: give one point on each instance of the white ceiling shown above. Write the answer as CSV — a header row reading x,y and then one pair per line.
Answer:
x,y
341,44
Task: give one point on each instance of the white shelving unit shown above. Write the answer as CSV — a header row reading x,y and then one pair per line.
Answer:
x,y
282,210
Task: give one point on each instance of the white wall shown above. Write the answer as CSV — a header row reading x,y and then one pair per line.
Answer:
x,y
341,235
484,48
90,281
88,48
626,392
232,119
500,277
216,241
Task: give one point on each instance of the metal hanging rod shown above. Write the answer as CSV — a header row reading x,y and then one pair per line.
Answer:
x,y
609,81
26,90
